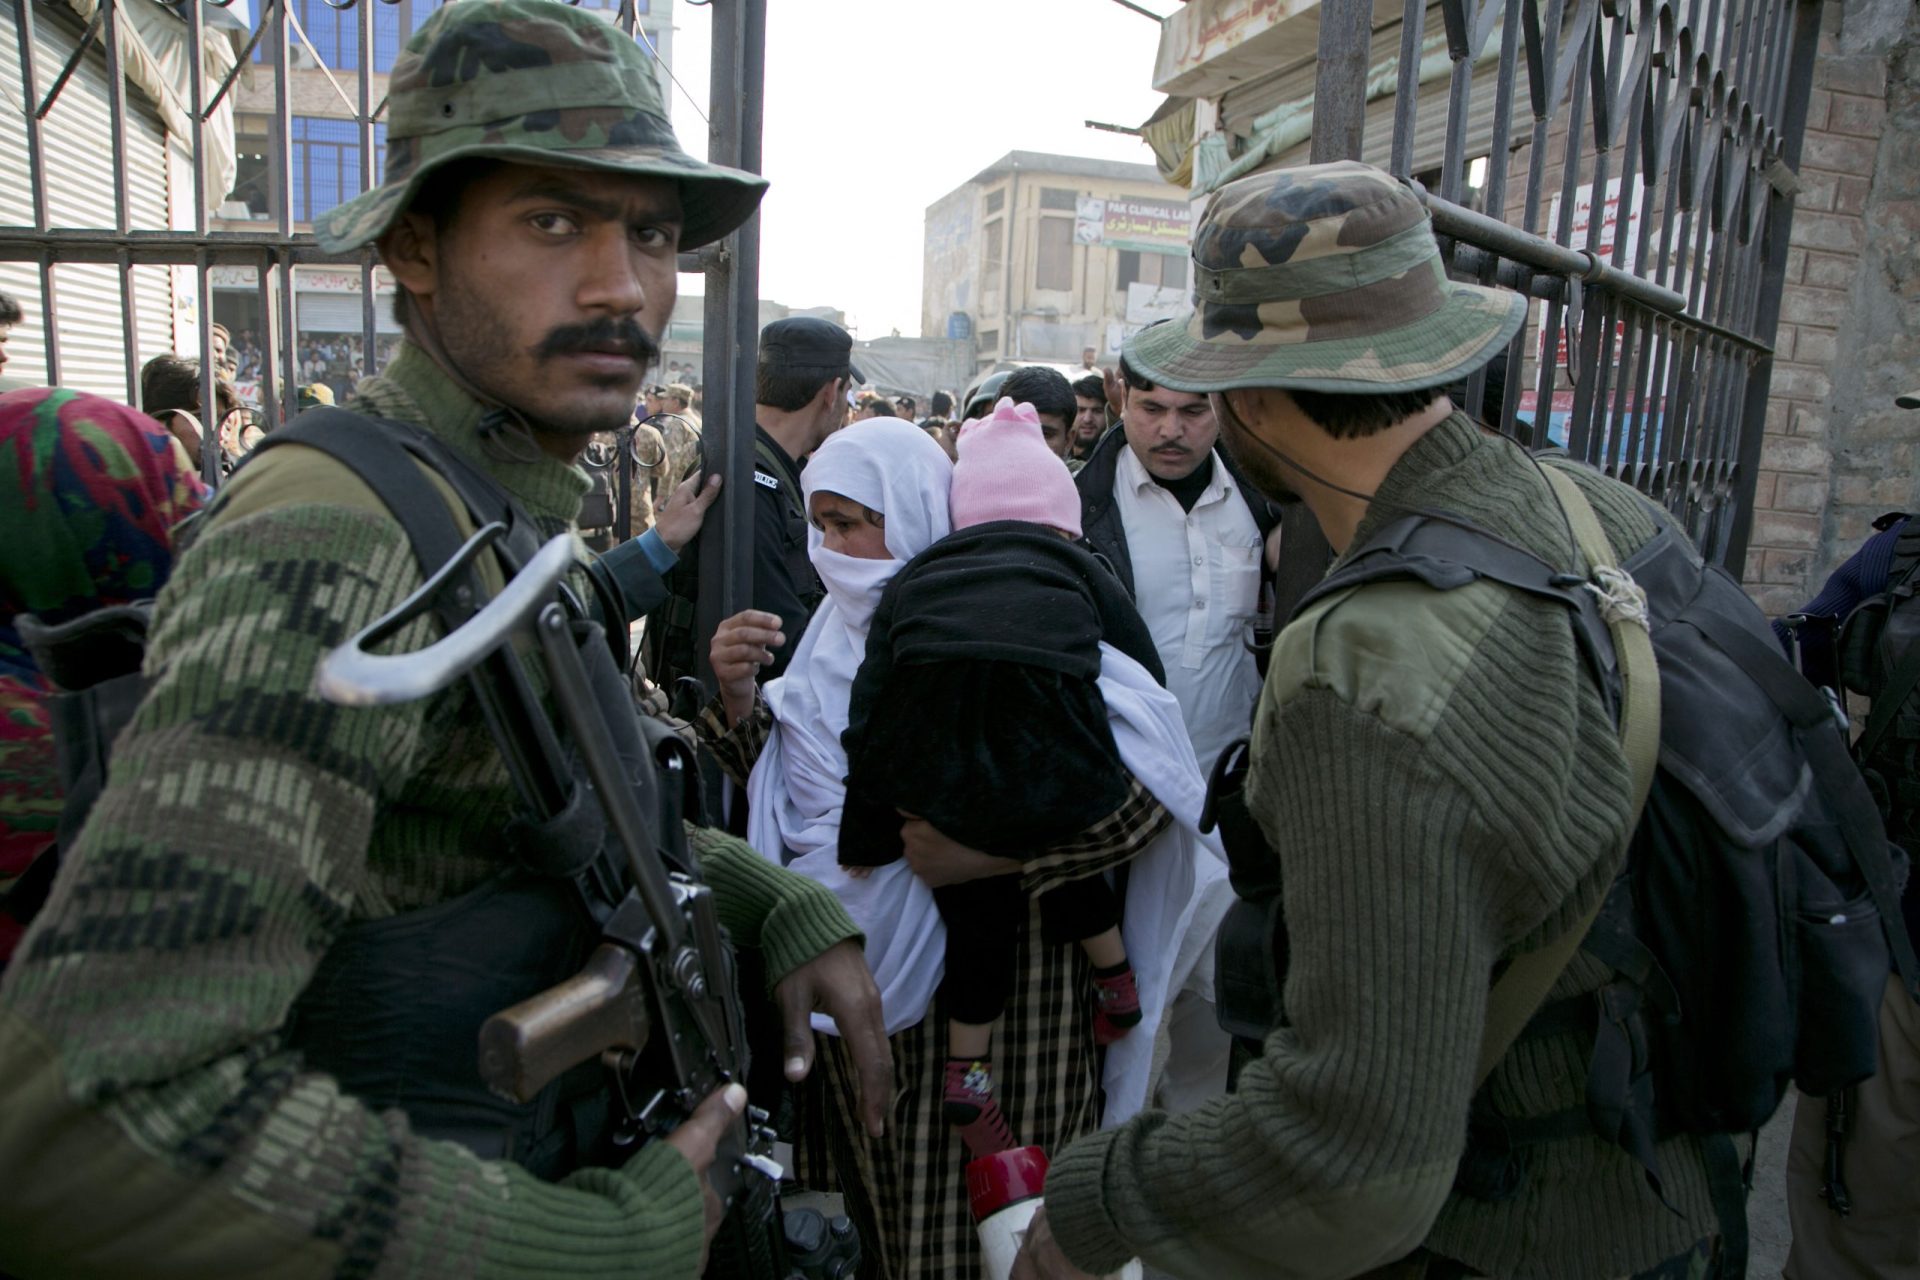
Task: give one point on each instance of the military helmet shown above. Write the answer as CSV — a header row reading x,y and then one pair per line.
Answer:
x,y
1324,277
540,83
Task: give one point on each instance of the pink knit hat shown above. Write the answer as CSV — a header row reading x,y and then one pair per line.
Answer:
x,y
1005,471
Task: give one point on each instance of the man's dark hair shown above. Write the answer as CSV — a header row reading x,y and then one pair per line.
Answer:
x,y
1047,390
778,389
1133,377
169,382
1093,387
1350,417
10,312
942,406
439,200
906,403
880,405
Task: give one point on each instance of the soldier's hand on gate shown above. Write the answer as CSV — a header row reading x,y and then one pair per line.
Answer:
x,y
838,983
685,510
697,1137
741,646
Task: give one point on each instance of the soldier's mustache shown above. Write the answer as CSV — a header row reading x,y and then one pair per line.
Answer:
x,y
612,337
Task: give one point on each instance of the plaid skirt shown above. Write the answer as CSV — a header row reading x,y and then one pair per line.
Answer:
x,y
907,1191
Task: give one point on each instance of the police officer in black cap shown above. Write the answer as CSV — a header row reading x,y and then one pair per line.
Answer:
x,y
800,398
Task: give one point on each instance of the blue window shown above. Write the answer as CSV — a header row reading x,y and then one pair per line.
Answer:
x,y
335,33
326,163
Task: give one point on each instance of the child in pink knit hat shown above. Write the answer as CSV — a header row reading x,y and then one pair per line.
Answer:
x,y
977,708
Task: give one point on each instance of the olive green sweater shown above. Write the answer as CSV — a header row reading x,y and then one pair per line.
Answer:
x,y
152,1123
1444,788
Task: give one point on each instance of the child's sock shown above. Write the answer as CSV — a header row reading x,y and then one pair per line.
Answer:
x,y
969,1107
1119,1003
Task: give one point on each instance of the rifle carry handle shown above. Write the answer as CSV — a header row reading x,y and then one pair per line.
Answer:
x,y
603,1007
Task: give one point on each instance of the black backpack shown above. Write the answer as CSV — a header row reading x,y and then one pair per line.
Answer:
x,y
1751,930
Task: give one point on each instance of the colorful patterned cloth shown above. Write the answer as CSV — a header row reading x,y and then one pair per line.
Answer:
x,y
89,492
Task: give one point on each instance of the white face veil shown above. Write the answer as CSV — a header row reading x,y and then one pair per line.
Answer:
x,y
892,467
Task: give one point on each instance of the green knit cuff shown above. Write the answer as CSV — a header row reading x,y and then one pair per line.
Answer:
x,y
1077,1210
648,1217
807,921
788,918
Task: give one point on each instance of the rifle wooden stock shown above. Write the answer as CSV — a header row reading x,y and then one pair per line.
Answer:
x,y
602,1007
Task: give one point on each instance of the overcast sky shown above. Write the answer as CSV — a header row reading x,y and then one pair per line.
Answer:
x,y
877,108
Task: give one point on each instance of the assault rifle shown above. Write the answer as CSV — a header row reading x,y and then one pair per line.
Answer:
x,y
656,1003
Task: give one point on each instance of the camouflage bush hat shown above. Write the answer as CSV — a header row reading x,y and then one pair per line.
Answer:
x,y
537,82
1323,278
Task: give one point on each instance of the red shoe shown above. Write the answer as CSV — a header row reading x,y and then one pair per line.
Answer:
x,y
1118,1010
968,1105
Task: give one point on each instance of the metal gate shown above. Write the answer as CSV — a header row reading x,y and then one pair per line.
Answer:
x,y
118,95
1677,125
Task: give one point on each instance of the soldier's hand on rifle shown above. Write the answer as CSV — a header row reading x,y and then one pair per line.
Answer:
x,y
696,1139
741,646
685,510
838,983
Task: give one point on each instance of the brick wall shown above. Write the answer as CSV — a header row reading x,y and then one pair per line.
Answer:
x,y
1837,452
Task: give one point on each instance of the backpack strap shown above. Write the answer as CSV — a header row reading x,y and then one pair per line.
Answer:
x,y
1520,991
377,452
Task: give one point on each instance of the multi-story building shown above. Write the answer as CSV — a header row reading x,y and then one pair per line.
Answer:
x,y
1038,257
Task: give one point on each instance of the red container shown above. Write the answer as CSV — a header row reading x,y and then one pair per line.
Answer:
x,y
1004,1178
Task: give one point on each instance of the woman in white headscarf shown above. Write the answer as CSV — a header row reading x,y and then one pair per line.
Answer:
x,y
877,495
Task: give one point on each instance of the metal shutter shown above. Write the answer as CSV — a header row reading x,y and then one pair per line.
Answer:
x,y
78,159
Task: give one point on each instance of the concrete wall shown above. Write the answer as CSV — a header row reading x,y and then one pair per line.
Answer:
x,y
1837,453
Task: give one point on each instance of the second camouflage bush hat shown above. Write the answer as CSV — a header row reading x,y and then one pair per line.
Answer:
x,y
536,82
1323,278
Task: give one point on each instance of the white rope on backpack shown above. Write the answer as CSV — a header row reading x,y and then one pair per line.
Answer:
x,y
1622,600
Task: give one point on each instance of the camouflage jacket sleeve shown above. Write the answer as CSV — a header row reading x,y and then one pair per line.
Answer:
x,y
152,1120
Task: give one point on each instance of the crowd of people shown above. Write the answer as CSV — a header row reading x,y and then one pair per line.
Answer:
x,y
1010,695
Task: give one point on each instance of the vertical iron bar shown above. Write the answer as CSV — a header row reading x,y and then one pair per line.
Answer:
x,y
363,125
1453,163
280,182
129,324
209,389
290,353
269,346
1407,93
1779,229
731,339
29,81
122,215
49,319
1340,83
196,98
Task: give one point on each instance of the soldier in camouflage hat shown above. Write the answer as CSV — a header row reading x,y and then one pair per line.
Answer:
x,y
1325,278
240,1037
1434,776
537,83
